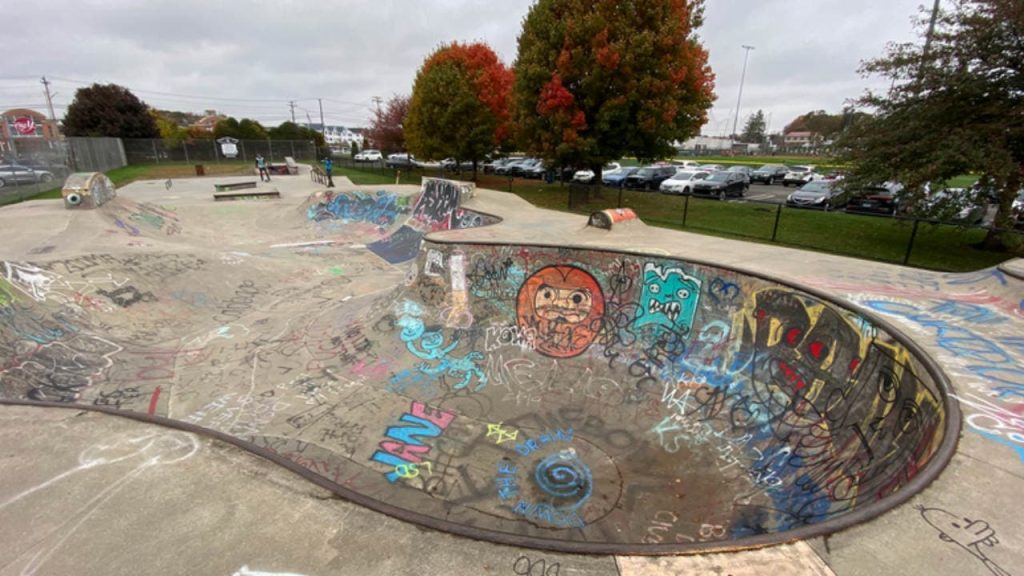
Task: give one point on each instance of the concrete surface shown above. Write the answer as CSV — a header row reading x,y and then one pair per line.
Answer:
x,y
969,323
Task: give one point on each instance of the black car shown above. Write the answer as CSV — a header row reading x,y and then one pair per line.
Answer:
x,y
769,174
882,200
722,184
649,177
822,194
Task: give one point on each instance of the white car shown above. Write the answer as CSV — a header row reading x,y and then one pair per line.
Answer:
x,y
587,176
369,156
683,181
800,175
686,165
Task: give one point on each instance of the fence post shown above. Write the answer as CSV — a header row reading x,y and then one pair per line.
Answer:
x,y
910,243
242,142
155,155
686,208
620,200
270,153
775,229
184,146
509,183
216,157
292,142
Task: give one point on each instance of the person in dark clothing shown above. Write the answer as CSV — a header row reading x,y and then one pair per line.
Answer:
x,y
261,165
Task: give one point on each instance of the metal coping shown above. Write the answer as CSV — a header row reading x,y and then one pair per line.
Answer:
x,y
919,482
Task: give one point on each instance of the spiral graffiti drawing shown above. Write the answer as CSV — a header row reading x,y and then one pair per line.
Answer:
x,y
562,475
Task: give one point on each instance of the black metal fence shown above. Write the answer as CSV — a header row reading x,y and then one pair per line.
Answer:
x,y
904,240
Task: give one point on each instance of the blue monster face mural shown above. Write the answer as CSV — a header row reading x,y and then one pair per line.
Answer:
x,y
669,298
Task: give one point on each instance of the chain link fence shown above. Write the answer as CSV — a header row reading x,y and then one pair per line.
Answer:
x,y
210,152
33,166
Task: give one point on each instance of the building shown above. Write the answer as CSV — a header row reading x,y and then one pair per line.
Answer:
x,y
26,132
209,121
801,138
701,143
340,136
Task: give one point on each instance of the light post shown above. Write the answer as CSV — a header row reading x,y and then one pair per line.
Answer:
x,y
743,77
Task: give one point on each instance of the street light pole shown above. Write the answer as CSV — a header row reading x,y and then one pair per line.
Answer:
x,y
743,77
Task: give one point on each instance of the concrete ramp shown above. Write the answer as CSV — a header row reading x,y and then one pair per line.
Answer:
x,y
558,397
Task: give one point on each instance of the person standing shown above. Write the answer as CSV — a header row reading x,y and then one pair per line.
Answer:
x,y
261,165
328,167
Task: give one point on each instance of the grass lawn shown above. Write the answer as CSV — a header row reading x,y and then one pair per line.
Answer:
x,y
163,171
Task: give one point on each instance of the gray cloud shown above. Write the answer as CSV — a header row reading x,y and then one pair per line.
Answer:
x,y
249,58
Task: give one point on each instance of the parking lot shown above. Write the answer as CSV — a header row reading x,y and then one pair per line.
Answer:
x,y
775,193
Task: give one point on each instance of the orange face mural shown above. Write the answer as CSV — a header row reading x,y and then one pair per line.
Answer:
x,y
562,307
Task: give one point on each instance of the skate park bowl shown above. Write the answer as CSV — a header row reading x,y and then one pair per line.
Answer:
x,y
562,397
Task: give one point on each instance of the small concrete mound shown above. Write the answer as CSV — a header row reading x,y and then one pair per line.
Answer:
x,y
87,190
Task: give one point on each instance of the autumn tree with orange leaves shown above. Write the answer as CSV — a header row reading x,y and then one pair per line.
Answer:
x,y
597,80
460,104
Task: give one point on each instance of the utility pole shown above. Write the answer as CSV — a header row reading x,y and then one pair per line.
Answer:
x,y
743,77
377,100
49,100
928,40
323,127
291,104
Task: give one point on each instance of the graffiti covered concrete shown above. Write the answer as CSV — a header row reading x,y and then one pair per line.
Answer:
x,y
558,394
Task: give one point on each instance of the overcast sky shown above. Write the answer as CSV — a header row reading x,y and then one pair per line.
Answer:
x,y
250,58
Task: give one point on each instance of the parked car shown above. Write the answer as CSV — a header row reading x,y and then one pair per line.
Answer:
x,y
400,160
452,165
617,179
14,174
798,176
587,176
961,205
369,156
882,200
649,177
819,194
519,168
769,174
1018,210
686,165
682,182
722,184
712,167
537,170
745,170
503,168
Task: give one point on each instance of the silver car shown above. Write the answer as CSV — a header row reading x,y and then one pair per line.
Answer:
x,y
13,175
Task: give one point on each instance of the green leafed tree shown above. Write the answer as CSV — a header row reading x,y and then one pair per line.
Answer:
x,y
596,80
754,130
955,106
459,105
109,110
244,129
172,133
292,131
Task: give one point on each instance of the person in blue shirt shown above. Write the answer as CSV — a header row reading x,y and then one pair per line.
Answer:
x,y
328,166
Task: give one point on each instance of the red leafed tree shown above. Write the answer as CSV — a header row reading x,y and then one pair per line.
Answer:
x,y
460,104
596,80
387,129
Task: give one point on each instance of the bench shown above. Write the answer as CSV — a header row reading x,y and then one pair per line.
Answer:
x,y
235,186
254,195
